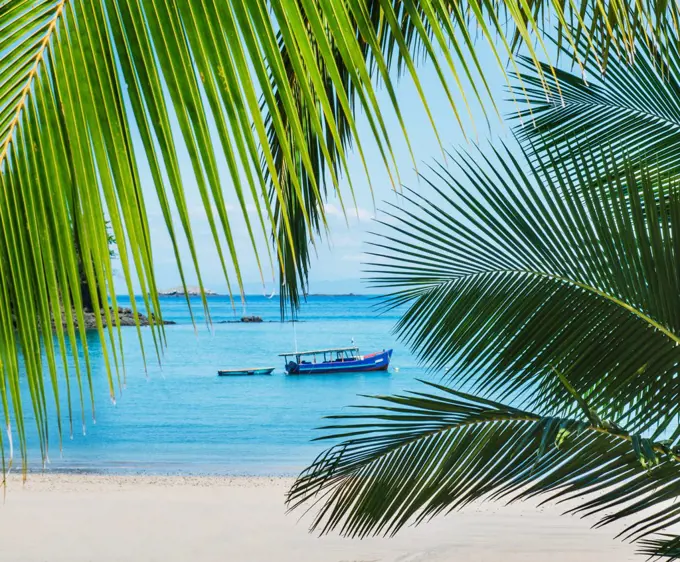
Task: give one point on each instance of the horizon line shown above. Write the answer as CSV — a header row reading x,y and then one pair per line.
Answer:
x,y
214,294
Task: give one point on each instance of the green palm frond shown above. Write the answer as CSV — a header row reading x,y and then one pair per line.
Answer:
x,y
631,108
509,277
414,456
93,92
332,135
392,34
395,35
664,546
526,287
88,91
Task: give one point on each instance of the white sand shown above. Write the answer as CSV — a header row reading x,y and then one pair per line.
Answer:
x,y
58,518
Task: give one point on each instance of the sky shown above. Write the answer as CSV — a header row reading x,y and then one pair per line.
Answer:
x,y
339,258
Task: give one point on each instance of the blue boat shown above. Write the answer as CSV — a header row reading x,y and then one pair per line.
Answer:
x,y
335,360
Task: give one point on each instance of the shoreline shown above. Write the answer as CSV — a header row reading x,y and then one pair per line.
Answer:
x,y
114,518
180,468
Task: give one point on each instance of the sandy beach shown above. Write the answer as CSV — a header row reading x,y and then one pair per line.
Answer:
x,y
83,518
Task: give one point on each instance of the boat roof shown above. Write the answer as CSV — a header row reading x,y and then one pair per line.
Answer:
x,y
246,369
316,351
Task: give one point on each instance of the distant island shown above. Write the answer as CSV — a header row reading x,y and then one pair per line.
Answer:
x,y
192,291
337,295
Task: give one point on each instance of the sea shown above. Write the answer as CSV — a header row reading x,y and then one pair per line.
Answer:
x,y
176,416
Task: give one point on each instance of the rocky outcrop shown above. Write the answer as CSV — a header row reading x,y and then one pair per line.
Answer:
x,y
124,314
243,319
251,319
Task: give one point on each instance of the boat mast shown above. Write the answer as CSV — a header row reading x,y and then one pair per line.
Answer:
x,y
295,334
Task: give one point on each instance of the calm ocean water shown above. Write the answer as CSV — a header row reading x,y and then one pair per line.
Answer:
x,y
182,418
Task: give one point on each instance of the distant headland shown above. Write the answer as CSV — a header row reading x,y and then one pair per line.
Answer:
x,y
192,291
336,295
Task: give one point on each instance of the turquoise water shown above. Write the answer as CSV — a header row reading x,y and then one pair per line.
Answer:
x,y
182,418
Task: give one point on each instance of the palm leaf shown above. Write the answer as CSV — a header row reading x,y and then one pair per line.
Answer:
x,y
414,456
397,34
664,546
79,81
529,287
91,93
509,277
630,109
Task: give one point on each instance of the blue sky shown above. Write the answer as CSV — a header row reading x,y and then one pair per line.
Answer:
x,y
337,265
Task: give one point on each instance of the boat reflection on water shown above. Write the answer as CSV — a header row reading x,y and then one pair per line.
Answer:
x,y
246,372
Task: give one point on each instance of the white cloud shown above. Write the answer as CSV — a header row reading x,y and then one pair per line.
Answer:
x,y
358,213
355,257
198,211
361,213
332,210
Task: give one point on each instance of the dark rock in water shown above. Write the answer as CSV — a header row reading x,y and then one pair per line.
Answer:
x,y
257,319
251,319
244,319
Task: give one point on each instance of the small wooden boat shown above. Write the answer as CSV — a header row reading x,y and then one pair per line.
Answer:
x,y
246,372
336,360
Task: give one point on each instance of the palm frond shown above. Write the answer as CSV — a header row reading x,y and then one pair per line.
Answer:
x,y
630,108
91,93
79,81
397,35
663,546
527,286
390,36
509,277
414,456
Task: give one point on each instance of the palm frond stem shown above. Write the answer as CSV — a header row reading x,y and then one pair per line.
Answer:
x,y
39,59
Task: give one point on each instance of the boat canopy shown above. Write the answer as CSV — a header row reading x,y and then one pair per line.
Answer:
x,y
319,351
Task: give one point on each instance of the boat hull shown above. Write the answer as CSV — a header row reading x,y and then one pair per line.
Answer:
x,y
374,362
246,372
